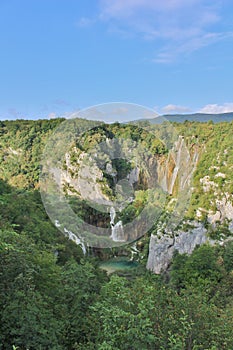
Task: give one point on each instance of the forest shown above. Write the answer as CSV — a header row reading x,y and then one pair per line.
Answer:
x,y
55,297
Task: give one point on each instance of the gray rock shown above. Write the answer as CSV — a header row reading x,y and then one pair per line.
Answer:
x,y
161,249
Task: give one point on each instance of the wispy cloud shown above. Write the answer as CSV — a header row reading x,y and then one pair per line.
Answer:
x,y
170,52
177,27
209,108
52,115
175,109
127,112
85,22
215,108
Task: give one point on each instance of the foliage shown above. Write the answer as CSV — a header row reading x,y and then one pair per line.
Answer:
x,y
51,297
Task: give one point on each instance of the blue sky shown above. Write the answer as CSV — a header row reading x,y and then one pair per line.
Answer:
x,y
59,56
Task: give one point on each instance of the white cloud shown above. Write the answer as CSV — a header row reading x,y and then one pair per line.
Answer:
x,y
175,109
215,108
52,115
123,8
177,27
168,53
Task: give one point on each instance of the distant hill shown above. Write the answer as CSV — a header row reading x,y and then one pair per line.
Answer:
x,y
197,117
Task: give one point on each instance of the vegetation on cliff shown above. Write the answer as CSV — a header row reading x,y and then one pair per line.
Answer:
x,y
52,297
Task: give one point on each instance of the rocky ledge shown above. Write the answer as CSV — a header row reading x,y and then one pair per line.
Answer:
x,y
162,248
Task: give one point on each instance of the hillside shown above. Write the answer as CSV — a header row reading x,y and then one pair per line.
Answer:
x,y
21,149
53,293
196,117
201,117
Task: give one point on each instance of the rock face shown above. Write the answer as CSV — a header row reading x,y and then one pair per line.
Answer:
x,y
224,209
161,249
133,176
175,172
174,175
178,168
85,182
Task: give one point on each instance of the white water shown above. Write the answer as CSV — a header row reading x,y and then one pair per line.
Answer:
x,y
177,166
73,237
117,229
134,251
112,216
76,239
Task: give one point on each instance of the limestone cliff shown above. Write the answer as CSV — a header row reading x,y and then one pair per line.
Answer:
x,y
177,169
175,175
162,248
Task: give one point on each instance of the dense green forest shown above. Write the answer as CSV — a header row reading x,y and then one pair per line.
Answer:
x,y
55,297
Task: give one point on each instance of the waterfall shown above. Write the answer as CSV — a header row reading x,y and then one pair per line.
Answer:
x,y
76,239
112,216
173,179
72,236
177,166
117,229
134,251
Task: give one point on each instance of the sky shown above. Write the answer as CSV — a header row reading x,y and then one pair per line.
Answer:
x,y
61,56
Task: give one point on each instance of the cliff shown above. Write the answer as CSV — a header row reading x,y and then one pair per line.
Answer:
x,y
201,160
209,210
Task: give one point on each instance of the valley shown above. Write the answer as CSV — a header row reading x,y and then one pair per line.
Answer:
x,y
151,204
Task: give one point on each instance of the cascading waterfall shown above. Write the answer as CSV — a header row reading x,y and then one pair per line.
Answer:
x,y
177,166
117,229
112,216
76,239
73,237
134,251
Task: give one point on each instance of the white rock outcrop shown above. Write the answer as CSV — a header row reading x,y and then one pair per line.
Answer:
x,y
161,249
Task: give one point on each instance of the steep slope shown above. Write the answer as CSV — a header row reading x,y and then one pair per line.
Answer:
x,y
209,216
207,146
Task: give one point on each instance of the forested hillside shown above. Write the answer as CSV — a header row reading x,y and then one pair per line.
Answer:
x,y
53,296
200,117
